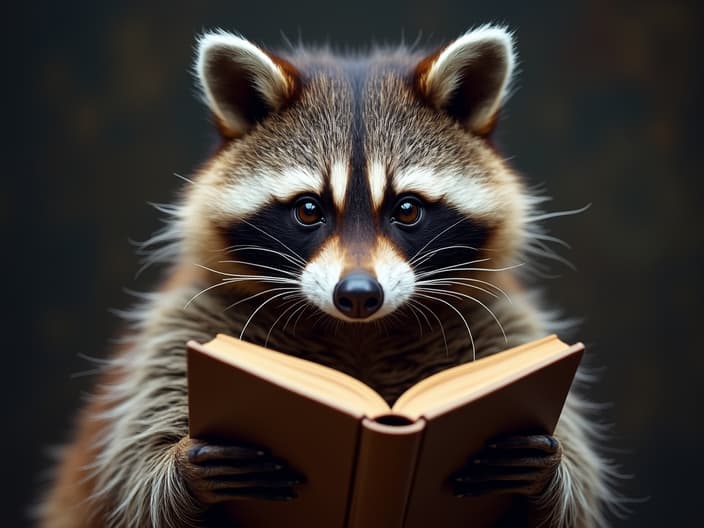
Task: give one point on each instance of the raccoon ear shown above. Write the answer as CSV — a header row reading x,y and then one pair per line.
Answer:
x,y
469,78
242,84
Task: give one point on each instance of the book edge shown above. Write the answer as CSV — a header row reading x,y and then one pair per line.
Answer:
x,y
260,373
460,401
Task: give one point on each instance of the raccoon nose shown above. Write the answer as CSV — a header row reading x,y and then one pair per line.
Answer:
x,y
358,295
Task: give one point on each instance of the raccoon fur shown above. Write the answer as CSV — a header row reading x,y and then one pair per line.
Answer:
x,y
357,215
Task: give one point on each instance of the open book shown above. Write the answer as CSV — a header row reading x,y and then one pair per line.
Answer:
x,y
366,464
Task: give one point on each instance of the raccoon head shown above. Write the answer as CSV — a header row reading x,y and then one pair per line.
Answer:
x,y
353,182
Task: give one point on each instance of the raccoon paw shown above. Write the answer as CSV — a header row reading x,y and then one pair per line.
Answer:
x,y
523,464
216,473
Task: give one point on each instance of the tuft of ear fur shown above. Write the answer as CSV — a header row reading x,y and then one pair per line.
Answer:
x,y
241,83
469,78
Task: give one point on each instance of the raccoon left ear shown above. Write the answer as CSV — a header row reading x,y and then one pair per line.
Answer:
x,y
241,83
469,78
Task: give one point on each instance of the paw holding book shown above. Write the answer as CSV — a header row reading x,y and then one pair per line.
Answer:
x,y
522,464
216,473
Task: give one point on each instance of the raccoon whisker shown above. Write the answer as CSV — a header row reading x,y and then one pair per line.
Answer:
x,y
397,317
449,293
295,323
551,238
440,291
452,267
412,310
246,275
262,305
466,324
422,314
506,268
541,271
437,271
324,319
437,236
427,274
291,252
420,259
296,301
289,258
201,292
431,312
301,308
263,266
436,250
187,180
555,214
213,270
541,249
285,289
445,282
470,279
260,278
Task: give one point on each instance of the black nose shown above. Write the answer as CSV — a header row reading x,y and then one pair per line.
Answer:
x,y
358,295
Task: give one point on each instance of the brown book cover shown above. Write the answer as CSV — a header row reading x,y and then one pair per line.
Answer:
x,y
365,464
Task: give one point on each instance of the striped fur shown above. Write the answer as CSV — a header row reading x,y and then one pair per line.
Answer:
x,y
357,135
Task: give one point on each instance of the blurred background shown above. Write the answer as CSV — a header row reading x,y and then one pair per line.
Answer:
x,y
102,113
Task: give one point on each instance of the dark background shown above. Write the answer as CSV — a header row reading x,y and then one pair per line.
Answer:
x,y
99,112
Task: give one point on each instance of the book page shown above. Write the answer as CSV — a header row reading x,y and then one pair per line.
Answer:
x,y
464,383
324,384
523,395
231,404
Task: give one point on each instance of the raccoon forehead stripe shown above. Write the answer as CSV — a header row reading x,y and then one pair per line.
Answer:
x,y
296,180
467,193
377,182
246,195
339,174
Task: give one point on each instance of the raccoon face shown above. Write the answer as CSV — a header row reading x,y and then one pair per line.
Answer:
x,y
352,183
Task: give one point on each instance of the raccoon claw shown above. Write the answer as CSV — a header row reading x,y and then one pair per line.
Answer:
x,y
216,473
523,465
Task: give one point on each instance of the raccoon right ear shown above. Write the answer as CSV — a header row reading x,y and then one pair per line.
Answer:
x,y
469,78
241,83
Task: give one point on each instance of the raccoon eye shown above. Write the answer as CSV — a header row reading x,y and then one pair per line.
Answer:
x,y
408,212
308,212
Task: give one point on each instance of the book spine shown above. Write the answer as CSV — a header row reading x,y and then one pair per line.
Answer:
x,y
386,462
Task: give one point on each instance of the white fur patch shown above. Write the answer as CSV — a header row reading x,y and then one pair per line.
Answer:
x,y
466,193
339,175
268,78
395,276
377,182
321,275
246,196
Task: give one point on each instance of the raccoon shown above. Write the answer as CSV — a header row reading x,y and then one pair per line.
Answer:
x,y
358,215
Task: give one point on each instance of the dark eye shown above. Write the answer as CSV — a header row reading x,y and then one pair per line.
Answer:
x,y
308,212
408,212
